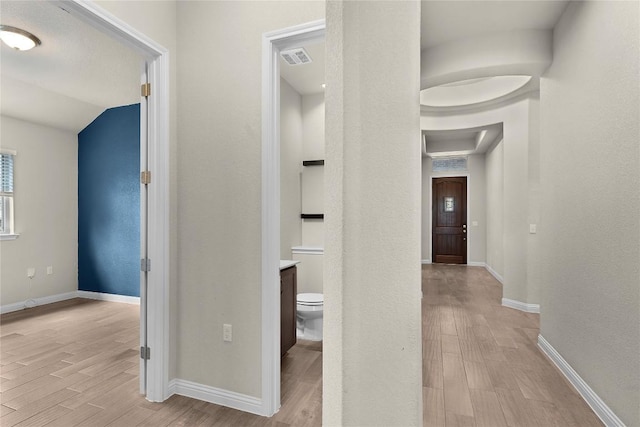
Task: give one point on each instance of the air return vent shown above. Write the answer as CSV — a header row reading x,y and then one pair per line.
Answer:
x,y
296,56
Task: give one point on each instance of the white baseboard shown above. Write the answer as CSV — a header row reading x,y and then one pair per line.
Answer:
x,y
426,261
606,415
101,296
34,302
37,301
522,306
230,399
476,264
494,273
307,250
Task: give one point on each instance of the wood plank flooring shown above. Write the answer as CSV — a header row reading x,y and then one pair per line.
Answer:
x,y
75,363
481,364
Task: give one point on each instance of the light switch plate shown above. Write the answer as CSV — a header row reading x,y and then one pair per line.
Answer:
x,y
533,228
474,223
227,334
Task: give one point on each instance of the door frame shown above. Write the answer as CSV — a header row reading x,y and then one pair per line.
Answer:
x,y
272,43
448,175
157,158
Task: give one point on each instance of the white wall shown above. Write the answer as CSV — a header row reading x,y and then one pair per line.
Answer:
x,y
589,226
219,182
372,372
494,159
290,168
46,212
476,207
534,279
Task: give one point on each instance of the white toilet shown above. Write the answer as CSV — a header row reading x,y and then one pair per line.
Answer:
x,y
309,316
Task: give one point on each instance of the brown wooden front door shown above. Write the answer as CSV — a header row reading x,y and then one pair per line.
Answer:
x,y
449,232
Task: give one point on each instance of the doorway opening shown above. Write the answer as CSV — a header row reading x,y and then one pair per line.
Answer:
x,y
154,195
273,43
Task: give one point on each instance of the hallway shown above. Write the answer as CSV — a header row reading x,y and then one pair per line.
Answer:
x,y
481,364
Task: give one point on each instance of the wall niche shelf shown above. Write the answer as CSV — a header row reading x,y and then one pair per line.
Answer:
x,y
312,216
313,163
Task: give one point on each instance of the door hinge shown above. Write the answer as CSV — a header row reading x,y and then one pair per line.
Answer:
x,y
145,89
145,177
145,353
145,264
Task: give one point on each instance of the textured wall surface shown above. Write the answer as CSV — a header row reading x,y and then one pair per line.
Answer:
x,y
46,212
590,228
372,348
109,203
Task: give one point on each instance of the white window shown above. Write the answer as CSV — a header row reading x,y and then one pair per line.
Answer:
x,y
6,192
449,164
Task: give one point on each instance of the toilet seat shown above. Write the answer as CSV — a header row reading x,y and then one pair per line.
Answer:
x,y
310,299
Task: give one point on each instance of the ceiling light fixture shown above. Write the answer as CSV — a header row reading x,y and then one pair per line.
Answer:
x,y
18,39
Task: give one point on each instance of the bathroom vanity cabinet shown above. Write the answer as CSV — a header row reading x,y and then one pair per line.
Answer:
x,y
288,295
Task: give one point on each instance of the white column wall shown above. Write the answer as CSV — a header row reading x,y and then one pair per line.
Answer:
x,y
372,349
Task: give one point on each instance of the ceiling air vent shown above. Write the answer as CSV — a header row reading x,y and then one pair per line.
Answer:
x,y
296,56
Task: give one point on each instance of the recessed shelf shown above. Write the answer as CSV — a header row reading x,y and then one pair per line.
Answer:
x,y
312,216
313,163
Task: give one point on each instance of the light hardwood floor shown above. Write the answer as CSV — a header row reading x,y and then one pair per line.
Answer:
x,y
76,363
481,365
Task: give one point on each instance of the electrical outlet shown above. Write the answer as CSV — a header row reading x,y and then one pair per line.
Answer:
x,y
227,334
533,228
50,270
31,272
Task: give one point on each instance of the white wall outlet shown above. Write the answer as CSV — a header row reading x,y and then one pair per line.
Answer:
x,y
533,228
474,223
31,272
50,269
227,333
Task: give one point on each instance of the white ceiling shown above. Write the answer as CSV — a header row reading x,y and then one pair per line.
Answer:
x,y
71,78
306,79
446,21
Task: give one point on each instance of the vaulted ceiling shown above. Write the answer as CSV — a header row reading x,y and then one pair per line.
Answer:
x,y
71,78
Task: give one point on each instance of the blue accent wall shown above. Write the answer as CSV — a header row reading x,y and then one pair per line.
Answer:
x,y
109,203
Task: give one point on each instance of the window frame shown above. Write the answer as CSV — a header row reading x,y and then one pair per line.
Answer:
x,y
7,203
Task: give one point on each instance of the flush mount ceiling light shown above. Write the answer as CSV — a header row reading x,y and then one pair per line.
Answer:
x,y
18,39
